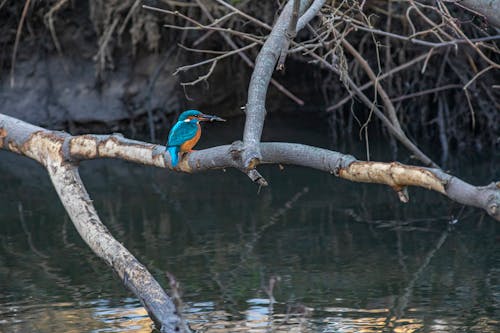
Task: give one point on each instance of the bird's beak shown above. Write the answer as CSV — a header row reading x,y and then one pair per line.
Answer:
x,y
207,117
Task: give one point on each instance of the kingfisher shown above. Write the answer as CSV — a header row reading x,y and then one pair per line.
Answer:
x,y
186,133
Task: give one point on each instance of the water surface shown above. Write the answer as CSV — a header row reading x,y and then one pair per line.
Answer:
x,y
340,256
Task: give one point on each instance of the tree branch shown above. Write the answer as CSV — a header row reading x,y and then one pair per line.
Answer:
x,y
58,152
258,89
309,14
242,55
290,33
135,276
23,138
259,83
370,83
400,135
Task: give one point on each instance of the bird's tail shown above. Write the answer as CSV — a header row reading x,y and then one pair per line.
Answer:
x,y
174,155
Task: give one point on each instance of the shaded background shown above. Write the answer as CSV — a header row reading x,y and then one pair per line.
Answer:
x,y
103,66
346,257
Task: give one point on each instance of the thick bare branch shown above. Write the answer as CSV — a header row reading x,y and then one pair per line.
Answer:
x,y
57,151
291,32
135,276
243,56
258,89
259,83
296,24
21,137
309,14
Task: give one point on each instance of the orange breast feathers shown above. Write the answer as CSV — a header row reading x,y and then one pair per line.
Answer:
x,y
189,144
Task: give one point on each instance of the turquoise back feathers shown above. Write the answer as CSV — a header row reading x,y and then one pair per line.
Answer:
x,y
185,132
174,155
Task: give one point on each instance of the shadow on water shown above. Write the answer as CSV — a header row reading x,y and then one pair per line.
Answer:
x,y
334,255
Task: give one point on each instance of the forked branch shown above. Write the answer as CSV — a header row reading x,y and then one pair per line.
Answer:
x,y
23,138
265,64
57,152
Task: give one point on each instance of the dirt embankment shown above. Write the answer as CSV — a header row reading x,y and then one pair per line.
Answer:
x,y
85,65
71,69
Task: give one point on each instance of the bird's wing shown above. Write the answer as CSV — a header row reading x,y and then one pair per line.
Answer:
x,y
181,132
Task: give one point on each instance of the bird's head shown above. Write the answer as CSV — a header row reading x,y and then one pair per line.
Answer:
x,y
196,116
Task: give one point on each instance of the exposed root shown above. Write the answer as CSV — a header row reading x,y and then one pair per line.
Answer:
x,y
49,22
16,43
426,56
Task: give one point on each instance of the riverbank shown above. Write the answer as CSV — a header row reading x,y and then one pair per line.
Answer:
x,y
101,67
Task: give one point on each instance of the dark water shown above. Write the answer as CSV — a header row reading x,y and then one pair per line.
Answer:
x,y
346,257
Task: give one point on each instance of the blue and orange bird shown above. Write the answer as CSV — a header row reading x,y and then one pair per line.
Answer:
x,y
186,133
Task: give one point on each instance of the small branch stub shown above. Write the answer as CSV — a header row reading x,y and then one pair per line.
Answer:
x,y
38,143
403,194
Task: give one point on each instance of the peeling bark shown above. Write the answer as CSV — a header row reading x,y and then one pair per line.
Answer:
x,y
393,174
135,276
59,152
39,144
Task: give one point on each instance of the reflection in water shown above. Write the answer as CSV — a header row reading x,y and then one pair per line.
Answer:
x,y
100,316
97,316
311,253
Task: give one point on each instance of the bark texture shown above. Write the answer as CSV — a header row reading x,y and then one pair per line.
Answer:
x,y
261,76
38,143
58,152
